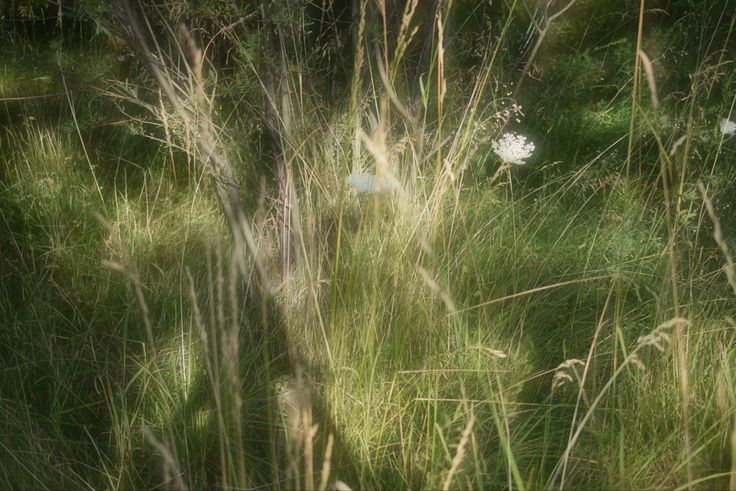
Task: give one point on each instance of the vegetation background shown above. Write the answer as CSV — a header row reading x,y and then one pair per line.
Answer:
x,y
195,291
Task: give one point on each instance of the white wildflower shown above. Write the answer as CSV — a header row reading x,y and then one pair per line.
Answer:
x,y
513,148
370,184
728,127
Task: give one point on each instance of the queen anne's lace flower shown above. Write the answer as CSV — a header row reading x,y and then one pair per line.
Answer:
x,y
369,184
728,127
513,148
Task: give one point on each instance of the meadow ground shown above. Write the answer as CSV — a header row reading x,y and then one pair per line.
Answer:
x,y
332,245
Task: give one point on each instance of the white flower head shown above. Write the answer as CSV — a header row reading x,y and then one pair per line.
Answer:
x,y
513,148
369,184
728,127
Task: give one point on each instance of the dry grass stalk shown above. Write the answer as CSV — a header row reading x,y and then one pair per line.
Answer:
x,y
326,463
655,339
543,29
732,480
405,36
171,469
680,331
649,69
586,368
189,99
729,268
635,88
459,453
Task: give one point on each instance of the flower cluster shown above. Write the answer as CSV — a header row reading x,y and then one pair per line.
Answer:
x,y
370,184
513,148
728,127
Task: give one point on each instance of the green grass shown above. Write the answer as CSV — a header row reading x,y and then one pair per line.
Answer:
x,y
416,336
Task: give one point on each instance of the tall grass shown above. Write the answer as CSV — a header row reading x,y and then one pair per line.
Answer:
x,y
177,313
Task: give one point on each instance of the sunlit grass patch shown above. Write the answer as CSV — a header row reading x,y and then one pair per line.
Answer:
x,y
254,272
